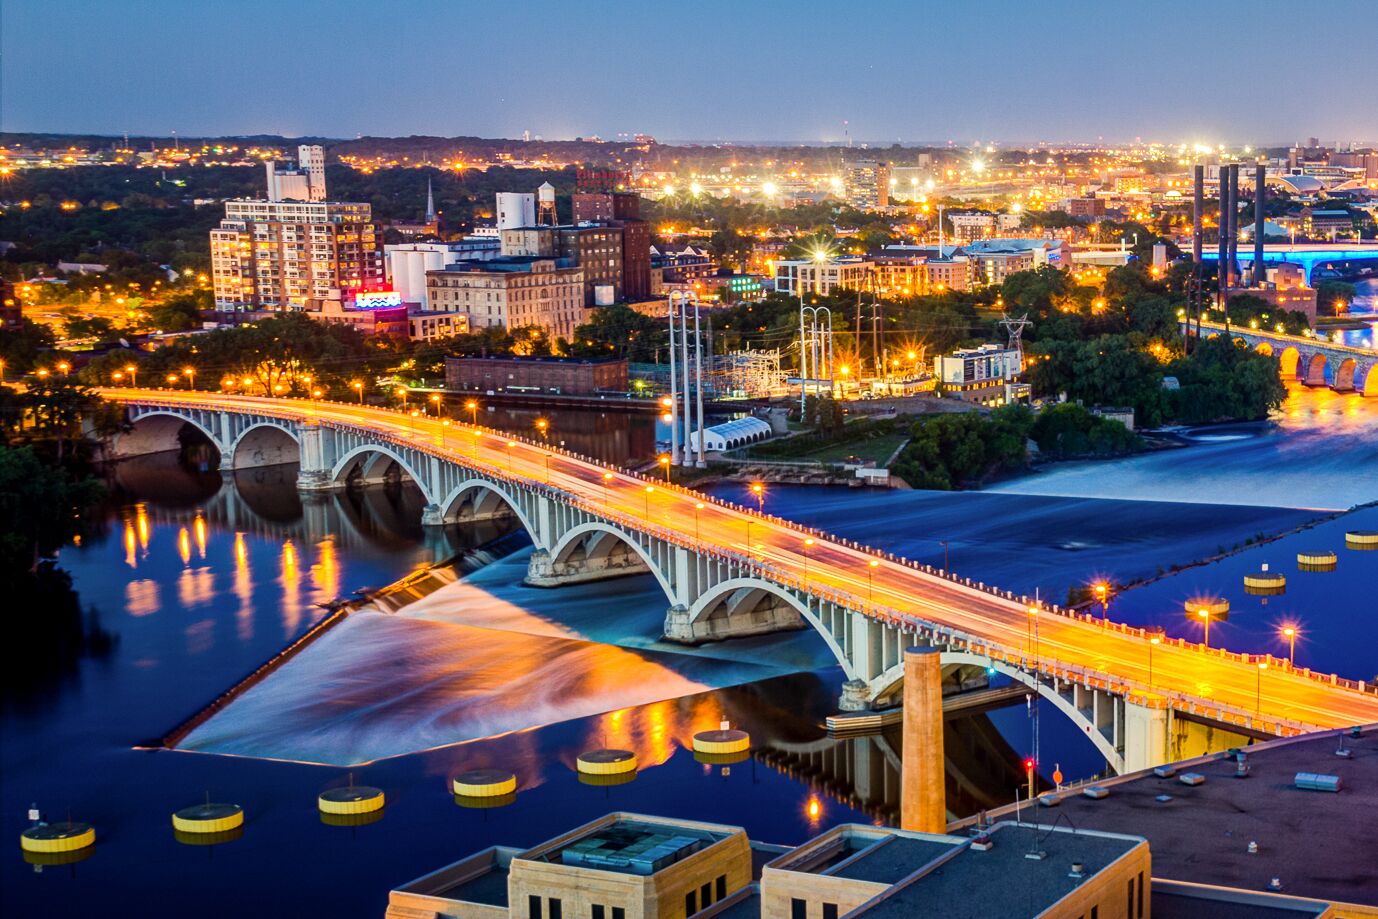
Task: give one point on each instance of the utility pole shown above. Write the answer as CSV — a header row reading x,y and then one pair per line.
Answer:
x,y
699,462
673,300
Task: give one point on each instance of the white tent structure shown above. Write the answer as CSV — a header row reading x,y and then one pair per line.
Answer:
x,y
730,434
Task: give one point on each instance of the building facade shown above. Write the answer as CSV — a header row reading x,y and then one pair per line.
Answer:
x,y
562,375
821,277
512,292
277,255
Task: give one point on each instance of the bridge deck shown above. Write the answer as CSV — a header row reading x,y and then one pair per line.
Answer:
x,y
985,620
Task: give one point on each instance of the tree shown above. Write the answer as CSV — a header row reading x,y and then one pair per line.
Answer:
x,y
620,331
43,507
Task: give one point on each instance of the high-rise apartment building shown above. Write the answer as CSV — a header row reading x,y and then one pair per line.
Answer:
x,y
282,254
294,248
868,185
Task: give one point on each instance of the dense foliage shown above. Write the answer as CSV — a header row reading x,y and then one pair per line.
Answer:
x,y
953,450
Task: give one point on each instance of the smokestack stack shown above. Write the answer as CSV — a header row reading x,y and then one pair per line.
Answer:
x,y
1260,275
1198,197
1222,261
1234,224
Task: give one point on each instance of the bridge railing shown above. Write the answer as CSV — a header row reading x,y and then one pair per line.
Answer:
x,y
845,599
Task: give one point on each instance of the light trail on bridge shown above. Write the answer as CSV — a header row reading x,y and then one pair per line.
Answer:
x,y
1216,684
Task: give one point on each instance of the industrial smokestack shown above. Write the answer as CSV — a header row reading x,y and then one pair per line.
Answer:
x,y
1234,224
1222,259
1260,275
1198,198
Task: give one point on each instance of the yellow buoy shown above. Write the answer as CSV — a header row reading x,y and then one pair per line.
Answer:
x,y
53,859
1317,561
1217,607
606,762
726,740
486,803
484,783
57,837
721,759
208,818
1265,582
352,799
208,839
362,819
607,779
1361,539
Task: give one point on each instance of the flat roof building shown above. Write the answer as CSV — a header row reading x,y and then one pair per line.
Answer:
x,y
512,292
556,375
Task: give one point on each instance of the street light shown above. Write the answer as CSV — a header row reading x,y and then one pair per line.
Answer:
x,y
607,477
510,445
649,489
665,461
1258,688
412,422
1154,637
133,371
171,379
472,406
1103,595
759,491
359,388
543,426
808,541
1205,615
1290,633
402,390
444,430
871,567
117,376
435,400
190,373
63,367
698,506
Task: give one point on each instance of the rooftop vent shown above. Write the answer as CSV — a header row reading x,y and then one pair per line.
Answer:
x,y
1191,778
1275,885
982,843
1078,870
1096,792
1164,772
1314,781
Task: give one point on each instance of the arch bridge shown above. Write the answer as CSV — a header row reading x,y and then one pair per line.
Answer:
x,y
1313,361
728,571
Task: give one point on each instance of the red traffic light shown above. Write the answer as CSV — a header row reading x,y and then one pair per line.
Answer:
x,y
1028,764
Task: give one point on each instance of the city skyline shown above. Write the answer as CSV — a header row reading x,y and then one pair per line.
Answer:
x,y
788,74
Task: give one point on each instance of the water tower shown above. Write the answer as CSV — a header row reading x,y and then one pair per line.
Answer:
x,y
545,205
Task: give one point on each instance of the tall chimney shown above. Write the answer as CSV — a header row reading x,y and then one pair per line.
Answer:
x,y
1198,198
1234,224
1222,261
1260,274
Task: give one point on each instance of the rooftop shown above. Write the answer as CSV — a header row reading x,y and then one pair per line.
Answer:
x,y
1002,881
1318,844
629,845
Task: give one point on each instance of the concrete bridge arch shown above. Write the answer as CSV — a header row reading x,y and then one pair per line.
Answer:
x,y
371,462
595,550
265,443
156,430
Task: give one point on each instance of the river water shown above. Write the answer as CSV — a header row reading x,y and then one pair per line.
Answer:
x,y
201,580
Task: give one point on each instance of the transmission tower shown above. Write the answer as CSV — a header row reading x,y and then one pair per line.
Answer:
x,y
1015,328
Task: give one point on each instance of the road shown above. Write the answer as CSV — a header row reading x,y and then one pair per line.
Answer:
x,y
1184,673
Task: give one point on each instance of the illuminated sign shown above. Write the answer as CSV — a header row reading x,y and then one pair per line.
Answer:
x,y
376,299
602,180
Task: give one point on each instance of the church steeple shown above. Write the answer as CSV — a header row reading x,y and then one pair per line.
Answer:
x,y
430,203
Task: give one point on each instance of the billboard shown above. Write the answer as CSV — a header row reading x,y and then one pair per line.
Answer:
x,y
376,299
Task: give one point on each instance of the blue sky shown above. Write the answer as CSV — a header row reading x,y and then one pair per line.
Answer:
x,y
704,70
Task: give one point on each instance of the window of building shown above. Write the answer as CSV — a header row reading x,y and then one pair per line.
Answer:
x,y
533,907
598,911
1095,912
798,909
690,904
706,895
829,911
619,913
1140,910
557,907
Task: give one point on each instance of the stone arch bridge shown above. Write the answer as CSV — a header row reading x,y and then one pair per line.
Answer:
x,y
728,571
1313,361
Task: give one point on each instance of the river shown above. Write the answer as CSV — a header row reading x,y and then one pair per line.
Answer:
x,y
202,579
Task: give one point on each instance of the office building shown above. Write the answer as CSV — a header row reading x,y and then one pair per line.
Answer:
x,y
979,374
279,255
868,185
563,375
512,292
1088,207
971,225
627,866
622,210
596,249
821,277
407,263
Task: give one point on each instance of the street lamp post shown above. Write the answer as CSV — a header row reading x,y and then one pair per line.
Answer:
x,y
698,506
1205,615
870,583
1290,633
510,445
435,400
472,406
359,388
133,371
1154,638
444,431
1103,595
543,426
665,461
413,416
190,373
649,489
808,541
1258,688
943,543
759,491
607,477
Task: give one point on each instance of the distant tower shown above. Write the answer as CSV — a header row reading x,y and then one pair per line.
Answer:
x,y
545,205
311,160
430,204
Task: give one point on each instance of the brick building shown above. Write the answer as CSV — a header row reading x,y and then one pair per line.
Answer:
x,y
562,375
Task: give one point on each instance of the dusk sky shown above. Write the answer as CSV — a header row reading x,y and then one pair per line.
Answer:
x,y
707,71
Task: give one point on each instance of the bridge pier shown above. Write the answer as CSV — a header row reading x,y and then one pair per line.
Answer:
x,y
1146,736
314,473
856,696
432,515
544,571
